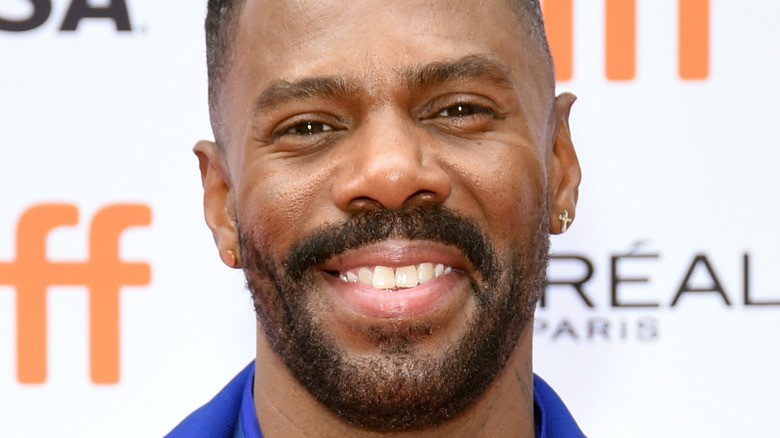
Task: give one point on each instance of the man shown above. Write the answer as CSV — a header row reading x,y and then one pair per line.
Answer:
x,y
387,174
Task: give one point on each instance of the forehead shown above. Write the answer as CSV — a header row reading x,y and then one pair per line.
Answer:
x,y
306,32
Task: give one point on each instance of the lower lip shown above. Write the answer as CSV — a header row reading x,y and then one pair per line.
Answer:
x,y
425,298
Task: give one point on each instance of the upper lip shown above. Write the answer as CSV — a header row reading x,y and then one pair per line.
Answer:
x,y
397,253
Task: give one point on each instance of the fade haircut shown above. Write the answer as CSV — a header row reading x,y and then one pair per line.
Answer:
x,y
222,16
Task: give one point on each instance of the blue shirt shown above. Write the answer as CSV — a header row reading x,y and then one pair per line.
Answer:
x,y
231,413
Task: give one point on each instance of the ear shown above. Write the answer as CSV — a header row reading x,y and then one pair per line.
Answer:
x,y
564,168
218,204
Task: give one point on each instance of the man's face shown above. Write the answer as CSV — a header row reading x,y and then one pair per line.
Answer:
x,y
387,171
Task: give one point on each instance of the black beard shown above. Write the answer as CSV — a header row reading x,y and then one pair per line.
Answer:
x,y
402,387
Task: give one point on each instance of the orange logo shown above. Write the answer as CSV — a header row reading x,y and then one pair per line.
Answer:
x,y
102,273
693,33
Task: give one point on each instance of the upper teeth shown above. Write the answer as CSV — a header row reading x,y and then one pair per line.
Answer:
x,y
383,277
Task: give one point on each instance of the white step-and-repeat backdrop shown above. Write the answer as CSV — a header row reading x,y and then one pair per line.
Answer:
x,y
662,318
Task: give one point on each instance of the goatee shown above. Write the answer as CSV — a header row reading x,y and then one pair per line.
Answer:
x,y
400,387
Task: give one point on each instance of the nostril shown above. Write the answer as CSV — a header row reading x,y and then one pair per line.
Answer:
x,y
421,197
425,195
364,203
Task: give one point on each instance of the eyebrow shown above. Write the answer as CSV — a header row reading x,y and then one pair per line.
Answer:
x,y
468,67
428,75
282,91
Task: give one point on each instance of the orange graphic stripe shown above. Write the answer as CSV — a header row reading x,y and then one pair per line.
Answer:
x,y
620,39
559,25
694,28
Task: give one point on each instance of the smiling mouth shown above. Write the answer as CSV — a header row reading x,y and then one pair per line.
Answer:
x,y
398,278
388,278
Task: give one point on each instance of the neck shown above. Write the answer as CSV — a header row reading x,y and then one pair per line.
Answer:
x,y
285,408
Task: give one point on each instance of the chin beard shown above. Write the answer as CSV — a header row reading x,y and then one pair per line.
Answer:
x,y
401,386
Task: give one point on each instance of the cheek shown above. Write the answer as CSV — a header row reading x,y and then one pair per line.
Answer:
x,y
280,203
503,185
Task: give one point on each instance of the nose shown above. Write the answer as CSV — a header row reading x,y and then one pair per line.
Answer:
x,y
389,162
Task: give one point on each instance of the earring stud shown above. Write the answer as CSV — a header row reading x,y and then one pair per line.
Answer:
x,y
229,258
565,220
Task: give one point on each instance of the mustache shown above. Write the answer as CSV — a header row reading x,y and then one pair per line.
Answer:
x,y
429,222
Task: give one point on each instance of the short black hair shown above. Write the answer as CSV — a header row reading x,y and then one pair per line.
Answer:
x,y
222,15
220,21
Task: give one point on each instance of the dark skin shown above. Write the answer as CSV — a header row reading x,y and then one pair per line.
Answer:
x,y
327,111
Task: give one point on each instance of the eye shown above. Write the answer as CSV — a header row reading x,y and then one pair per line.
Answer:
x,y
463,110
305,133
307,128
